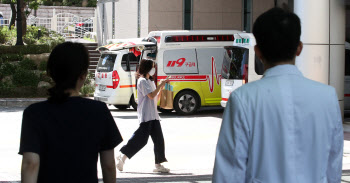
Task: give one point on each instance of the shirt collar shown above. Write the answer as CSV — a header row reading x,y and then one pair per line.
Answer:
x,y
285,69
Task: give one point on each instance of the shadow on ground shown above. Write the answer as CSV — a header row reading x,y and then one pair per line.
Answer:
x,y
166,178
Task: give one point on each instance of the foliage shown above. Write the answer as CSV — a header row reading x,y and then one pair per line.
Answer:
x,y
10,57
6,89
7,69
7,36
89,39
47,37
46,78
92,3
42,66
27,64
23,77
88,88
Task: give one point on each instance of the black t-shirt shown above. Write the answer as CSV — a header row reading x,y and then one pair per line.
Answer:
x,y
68,138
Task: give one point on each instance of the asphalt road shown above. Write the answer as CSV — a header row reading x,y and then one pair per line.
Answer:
x,y
190,143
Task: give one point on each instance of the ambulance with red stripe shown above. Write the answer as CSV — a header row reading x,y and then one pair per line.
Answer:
x,y
240,65
113,75
193,60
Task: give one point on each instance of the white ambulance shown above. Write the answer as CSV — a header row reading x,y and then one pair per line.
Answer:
x,y
193,60
240,65
113,75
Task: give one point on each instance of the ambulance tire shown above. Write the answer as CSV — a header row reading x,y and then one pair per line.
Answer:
x,y
121,107
133,103
186,102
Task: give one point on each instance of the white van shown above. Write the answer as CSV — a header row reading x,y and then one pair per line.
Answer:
x,y
240,65
113,79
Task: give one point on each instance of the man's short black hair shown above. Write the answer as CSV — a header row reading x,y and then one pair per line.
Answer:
x,y
277,33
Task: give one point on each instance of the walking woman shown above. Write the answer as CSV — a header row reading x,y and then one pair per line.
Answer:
x,y
62,137
148,96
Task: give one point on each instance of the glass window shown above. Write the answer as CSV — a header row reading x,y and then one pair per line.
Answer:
x,y
138,18
247,15
129,62
235,64
187,14
291,5
106,63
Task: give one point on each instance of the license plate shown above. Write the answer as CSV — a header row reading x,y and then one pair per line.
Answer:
x,y
102,87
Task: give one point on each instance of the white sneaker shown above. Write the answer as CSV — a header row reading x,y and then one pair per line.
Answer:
x,y
120,163
161,169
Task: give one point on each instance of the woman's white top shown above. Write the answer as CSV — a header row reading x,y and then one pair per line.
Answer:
x,y
146,108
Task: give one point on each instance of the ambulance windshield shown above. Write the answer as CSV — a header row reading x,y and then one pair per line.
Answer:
x,y
106,63
235,64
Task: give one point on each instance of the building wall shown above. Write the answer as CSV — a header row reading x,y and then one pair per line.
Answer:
x,y
165,15
144,18
218,14
169,15
260,6
126,19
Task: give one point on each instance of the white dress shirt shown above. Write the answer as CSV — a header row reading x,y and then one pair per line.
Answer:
x,y
283,128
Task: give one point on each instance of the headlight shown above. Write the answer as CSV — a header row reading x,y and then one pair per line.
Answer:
x,y
229,83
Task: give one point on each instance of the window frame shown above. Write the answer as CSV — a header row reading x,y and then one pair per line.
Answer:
x,y
184,15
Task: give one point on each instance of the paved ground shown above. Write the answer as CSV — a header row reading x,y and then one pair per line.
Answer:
x,y
190,147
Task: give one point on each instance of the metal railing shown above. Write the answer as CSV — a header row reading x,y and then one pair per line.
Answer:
x,y
4,22
66,24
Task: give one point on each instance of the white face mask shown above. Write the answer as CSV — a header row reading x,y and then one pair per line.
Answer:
x,y
152,71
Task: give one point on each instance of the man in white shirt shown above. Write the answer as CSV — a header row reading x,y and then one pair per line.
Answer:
x,y
283,128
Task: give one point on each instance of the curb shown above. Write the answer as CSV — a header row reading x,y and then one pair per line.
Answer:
x,y
19,102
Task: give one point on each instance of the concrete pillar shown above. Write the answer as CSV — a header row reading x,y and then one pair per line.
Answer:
x,y
94,20
54,21
323,35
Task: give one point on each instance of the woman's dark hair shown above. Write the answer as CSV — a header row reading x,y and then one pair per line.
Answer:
x,y
145,66
66,63
277,33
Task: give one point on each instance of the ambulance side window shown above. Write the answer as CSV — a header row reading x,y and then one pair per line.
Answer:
x,y
235,65
180,61
129,62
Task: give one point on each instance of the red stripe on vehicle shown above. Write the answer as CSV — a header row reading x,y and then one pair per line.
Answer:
x,y
224,99
346,95
109,86
127,86
185,77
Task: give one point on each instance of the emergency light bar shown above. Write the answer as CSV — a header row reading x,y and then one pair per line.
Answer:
x,y
199,38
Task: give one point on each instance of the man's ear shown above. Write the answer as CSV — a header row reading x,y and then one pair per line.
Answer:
x,y
258,52
299,48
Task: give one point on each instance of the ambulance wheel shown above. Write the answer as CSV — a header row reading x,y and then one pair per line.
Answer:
x,y
133,103
121,107
186,102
